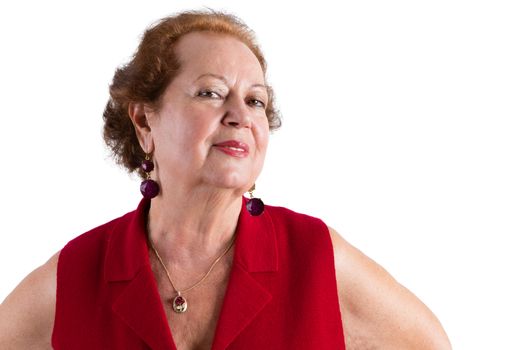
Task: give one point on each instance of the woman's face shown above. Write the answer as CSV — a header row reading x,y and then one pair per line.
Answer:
x,y
211,127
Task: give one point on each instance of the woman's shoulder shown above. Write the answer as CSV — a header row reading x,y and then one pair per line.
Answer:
x,y
295,221
377,310
101,232
27,314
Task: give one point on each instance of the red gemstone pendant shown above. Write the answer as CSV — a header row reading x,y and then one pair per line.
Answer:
x,y
180,304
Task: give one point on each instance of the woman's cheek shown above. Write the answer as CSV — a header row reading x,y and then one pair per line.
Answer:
x,y
262,135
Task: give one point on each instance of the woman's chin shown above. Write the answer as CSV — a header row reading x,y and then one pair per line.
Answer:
x,y
230,181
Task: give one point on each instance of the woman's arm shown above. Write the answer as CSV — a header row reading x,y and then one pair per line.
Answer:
x,y
378,312
28,313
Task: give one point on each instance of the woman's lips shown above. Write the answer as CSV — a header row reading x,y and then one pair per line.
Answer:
x,y
233,148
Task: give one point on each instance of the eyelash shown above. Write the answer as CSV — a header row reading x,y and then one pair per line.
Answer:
x,y
207,93
203,92
262,105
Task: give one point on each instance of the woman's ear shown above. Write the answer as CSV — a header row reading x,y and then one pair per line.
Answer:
x,y
138,114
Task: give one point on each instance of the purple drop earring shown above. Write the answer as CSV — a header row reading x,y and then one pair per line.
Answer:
x,y
255,206
149,188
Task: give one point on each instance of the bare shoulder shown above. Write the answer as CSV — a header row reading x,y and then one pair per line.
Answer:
x,y
27,314
376,310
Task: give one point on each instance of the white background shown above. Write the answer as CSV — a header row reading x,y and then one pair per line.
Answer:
x,y
403,128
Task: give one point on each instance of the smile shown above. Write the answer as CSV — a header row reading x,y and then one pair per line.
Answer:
x,y
233,148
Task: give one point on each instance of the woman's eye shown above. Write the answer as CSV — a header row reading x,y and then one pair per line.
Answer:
x,y
257,103
208,93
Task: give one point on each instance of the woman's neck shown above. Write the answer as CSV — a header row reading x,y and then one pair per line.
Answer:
x,y
188,229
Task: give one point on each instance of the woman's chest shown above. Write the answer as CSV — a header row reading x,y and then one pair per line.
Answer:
x,y
194,329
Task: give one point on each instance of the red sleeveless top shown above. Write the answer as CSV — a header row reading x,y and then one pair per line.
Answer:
x,y
281,291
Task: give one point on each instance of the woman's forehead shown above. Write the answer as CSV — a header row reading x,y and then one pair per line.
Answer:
x,y
202,53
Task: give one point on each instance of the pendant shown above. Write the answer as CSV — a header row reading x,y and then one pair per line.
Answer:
x,y
179,304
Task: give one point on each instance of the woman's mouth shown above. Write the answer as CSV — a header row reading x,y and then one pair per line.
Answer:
x,y
233,148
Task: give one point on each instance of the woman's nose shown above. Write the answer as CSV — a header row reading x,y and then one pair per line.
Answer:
x,y
237,114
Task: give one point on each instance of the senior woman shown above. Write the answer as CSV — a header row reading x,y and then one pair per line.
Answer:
x,y
197,265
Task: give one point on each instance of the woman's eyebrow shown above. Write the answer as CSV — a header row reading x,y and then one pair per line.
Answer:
x,y
216,76
261,86
223,79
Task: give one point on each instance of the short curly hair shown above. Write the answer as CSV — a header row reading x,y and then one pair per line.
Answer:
x,y
153,66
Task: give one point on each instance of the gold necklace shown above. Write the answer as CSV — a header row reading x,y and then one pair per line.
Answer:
x,y
180,304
